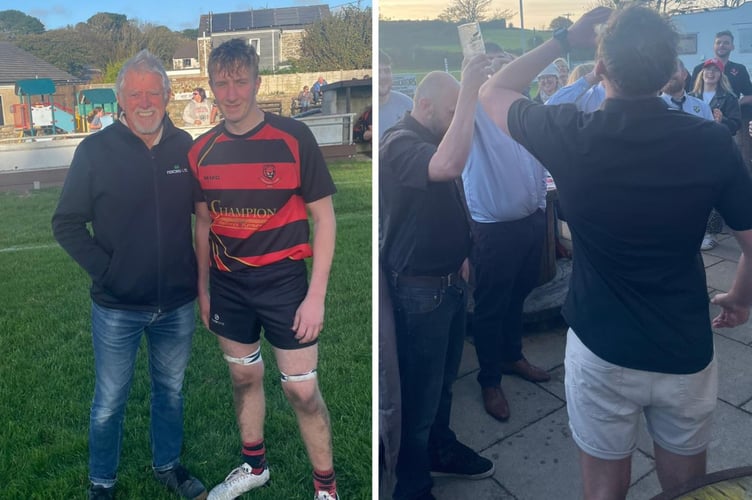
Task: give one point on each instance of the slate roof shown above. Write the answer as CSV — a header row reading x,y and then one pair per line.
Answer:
x,y
17,64
186,50
285,17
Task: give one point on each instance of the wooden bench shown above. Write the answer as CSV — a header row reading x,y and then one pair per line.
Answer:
x,y
271,106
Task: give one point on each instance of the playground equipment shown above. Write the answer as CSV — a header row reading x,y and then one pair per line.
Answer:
x,y
89,99
41,115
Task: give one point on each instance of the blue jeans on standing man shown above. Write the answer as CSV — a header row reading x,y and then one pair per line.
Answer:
x,y
116,336
430,330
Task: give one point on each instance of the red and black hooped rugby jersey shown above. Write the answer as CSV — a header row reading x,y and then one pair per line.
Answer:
x,y
256,186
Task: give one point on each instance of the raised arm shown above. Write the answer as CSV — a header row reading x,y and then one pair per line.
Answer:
x,y
450,157
506,86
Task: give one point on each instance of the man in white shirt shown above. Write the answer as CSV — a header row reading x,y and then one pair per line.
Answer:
x,y
677,98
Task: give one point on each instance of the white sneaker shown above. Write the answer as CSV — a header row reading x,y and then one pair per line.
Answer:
x,y
237,482
708,243
324,495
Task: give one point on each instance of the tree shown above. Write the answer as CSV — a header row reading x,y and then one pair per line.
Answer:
x,y
190,34
161,41
465,11
340,41
669,7
560,22
67,49
15,22
502,14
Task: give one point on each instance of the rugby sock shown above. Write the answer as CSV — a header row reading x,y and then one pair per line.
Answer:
x,y
325,481
254,454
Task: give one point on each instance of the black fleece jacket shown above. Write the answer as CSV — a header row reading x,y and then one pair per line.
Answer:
x,y
139,202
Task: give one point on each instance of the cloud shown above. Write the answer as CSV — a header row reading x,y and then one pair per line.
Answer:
x,y
58,10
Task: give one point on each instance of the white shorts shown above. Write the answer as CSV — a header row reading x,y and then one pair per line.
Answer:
x,y
605,401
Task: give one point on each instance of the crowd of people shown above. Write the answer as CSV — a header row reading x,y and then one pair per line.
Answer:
x,y
645,171
251,241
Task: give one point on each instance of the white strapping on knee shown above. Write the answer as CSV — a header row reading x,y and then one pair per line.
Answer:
x,y
252,358
297,378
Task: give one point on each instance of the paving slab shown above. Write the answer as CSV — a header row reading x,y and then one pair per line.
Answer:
x,y
474,427
732,436
721,274
534,454
453,489
728,248
734,374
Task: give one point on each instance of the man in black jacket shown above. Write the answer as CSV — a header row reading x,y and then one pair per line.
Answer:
x,y
131,182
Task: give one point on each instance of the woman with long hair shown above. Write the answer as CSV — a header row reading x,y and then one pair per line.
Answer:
x,y
713,87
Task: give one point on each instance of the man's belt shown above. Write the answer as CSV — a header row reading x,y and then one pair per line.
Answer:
x,y
450,279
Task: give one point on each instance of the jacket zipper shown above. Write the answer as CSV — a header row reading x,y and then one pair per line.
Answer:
x,y
155,179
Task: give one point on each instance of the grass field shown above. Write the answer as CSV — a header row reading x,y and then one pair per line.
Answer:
x,y
418,47
46,374
421,46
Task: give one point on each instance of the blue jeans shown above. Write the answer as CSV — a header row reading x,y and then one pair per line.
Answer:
x,y
430,330
116,336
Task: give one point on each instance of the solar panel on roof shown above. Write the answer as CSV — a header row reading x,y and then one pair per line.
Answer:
x,y
242,20
264,18
220,22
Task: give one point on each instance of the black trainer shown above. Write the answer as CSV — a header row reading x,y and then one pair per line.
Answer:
x,y
179,480
99,492
462,462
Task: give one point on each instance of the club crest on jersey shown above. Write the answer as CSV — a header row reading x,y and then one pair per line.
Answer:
x,y
270,174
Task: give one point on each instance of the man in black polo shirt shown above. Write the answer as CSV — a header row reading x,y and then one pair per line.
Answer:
x,y
425,242
637,182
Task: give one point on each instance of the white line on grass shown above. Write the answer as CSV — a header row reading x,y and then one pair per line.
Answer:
x,y
28,247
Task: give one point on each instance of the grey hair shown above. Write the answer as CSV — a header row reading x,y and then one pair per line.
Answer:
x,y
144,62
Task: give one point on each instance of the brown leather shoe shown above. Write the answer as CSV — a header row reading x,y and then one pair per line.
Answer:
x,y
495,403
525,370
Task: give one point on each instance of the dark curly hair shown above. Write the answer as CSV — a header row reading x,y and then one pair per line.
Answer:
x,y
638,49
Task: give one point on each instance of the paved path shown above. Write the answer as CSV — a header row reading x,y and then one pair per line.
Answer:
x,y
534,454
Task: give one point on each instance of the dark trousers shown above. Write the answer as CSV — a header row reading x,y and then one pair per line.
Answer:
x,y
507,259
430,329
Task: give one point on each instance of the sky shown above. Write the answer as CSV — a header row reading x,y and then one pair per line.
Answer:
x,y
537,13
175,14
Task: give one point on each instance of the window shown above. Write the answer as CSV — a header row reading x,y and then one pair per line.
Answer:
x,y
187,63
2,115
256,42
744,41
687,44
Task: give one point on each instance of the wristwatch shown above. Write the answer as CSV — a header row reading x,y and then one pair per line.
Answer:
x,y
562,36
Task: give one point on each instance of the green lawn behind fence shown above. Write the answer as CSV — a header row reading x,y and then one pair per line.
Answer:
x,y
46,374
